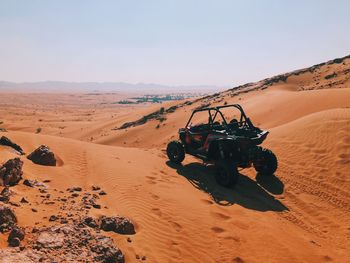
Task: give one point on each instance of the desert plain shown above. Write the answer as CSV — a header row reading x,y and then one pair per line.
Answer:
x,y
179,212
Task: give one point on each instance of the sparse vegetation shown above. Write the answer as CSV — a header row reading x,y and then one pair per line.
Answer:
x,y
330,76
157,98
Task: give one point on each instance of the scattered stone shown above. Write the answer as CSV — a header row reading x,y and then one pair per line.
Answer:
x,y
120,225
33,183
95,188
24,200
128,239
89,221
74,189
143,258
5,195
16,236
11,172
7,142
75,194
7,218
97,206
43,155
102,193
53,218
14,204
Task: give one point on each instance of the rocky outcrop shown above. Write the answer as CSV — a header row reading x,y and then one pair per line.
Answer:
x,y
43,156
7,218
11,172
71,243
117,224
7,142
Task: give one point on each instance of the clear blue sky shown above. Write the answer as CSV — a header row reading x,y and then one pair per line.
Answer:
x,y
222,42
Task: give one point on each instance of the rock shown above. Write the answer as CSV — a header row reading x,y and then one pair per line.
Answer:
x,y
95,188
108,254
53,218
11,172
15,242
14,204
102,193
74,189
34,210
7,142
97,206
89,221
34,183
50,239
7,218
43,155
120,225
16,235
72,243
5,195
24,200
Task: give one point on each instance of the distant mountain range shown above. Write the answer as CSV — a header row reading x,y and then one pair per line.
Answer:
x,y
56,86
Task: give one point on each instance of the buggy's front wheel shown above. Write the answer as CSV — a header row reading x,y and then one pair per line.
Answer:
x,y
265,162
175,152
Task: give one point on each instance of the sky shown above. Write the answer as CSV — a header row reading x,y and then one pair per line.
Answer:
x,y
178,42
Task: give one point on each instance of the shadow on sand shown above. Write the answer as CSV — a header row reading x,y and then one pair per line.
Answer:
x,y
247,193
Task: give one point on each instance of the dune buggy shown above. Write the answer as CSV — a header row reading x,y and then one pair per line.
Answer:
x,y
225,137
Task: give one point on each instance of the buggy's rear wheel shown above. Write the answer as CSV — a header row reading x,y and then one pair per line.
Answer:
x,y
175,152
265,162
227,173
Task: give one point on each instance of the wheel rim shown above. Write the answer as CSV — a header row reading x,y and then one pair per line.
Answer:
x,y
174,153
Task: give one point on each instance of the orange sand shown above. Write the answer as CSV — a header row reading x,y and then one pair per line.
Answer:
x,y
181,214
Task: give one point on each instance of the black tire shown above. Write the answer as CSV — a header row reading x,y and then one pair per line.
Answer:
x,y
265,162
227,173
175,152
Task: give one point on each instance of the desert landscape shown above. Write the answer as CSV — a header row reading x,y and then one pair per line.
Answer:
x,y
103,189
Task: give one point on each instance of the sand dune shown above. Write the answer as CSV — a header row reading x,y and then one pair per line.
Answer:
x,y
181,214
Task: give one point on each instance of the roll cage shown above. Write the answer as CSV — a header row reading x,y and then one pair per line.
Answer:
x,y
214,111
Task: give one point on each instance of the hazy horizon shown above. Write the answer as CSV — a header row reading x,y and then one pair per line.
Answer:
x,y
173,43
